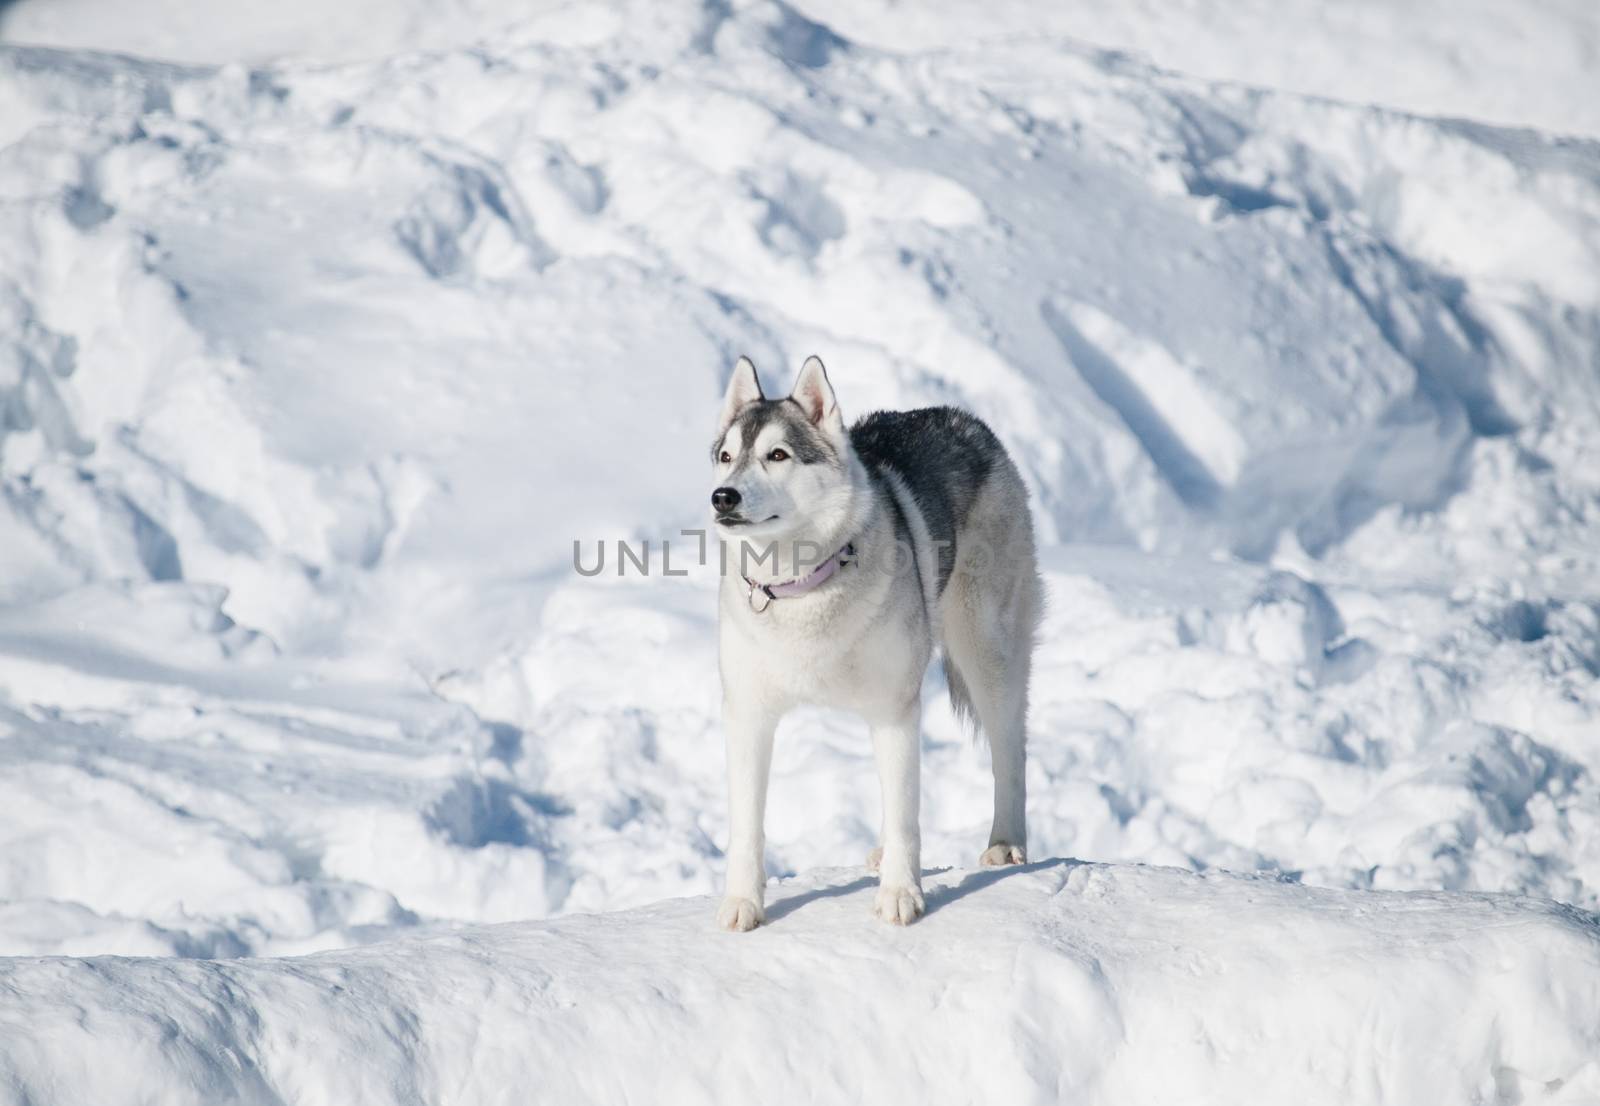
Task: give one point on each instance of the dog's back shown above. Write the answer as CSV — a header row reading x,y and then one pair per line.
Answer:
x,y
943,456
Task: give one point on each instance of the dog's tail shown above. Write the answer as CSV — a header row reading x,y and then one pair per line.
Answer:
x,y
961,700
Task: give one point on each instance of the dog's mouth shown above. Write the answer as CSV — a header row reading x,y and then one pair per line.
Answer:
x,y
739,520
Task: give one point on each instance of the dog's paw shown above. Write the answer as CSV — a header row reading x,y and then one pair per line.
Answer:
x,y
875,859
740,915
899,906
997,856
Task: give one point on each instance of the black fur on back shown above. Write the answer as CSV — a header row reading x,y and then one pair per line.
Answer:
x,y
942,454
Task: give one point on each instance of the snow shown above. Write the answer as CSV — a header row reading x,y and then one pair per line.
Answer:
x,y
1061,981
325,336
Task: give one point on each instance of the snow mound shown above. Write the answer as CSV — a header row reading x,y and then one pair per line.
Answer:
x,y
1061,981
1473,59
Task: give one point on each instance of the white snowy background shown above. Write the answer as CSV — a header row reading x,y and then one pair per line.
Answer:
x,y
326,329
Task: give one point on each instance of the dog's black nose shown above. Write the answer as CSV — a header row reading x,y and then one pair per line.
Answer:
x,y
725,500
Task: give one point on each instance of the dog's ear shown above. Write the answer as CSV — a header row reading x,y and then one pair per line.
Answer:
x,y
815,396
743,389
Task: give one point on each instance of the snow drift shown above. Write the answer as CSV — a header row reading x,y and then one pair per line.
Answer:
x,y
1057,982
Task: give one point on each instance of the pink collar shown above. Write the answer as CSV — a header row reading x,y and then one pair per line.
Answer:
x,y
791,588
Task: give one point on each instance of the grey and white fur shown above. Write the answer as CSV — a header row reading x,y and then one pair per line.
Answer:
x,y
936,516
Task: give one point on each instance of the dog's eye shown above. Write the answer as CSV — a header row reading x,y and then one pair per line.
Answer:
x,y
777,455
725,457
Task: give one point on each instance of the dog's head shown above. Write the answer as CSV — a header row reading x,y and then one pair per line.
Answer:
x,y
782,466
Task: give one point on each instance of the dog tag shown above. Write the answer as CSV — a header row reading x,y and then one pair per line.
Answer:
x,y
764,593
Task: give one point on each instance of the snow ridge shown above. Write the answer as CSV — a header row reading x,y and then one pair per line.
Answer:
x,y
1059,981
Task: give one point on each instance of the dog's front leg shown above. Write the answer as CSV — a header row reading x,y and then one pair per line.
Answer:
x,y
750,726
897,747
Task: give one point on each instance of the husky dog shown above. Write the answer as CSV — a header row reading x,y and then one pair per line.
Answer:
x,y
849,555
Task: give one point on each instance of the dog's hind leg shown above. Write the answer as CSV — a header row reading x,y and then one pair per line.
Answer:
x,y
989,613
995,687
1008,835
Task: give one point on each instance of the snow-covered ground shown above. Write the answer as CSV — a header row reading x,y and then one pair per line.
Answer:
x,y
313,370
1061,982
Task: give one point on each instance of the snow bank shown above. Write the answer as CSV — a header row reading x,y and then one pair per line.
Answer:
x,y
1476,59
1473,59
1057,982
